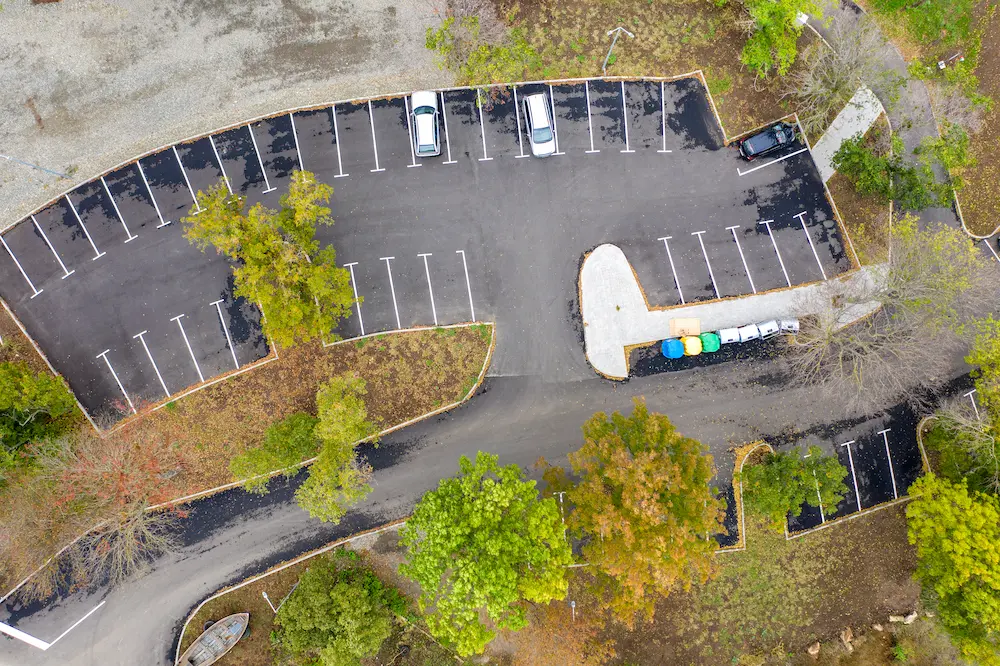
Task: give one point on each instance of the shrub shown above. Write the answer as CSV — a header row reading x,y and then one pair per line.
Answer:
x,y
286,443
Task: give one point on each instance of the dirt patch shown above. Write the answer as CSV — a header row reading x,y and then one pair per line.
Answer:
x,y
16,348
670,38
865,217
783,594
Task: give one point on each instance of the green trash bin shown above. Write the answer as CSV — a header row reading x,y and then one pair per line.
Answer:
x,y
709,342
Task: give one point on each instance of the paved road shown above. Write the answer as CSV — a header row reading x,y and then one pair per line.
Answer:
x,y
233,535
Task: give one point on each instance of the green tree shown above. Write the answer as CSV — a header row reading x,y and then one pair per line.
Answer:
x,y
278,260
286,443
957,536
343,416
782,482
484,541
33,407
644,500
339,614
774,33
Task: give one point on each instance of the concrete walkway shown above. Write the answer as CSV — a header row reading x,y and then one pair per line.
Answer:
x,y
856,118
616,315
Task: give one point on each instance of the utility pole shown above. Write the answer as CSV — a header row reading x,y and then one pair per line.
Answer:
x,y
616,32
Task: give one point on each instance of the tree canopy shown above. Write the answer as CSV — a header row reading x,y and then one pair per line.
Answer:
x,y
644,500
33,407
279,263
774,33
481,542
287,442
782,482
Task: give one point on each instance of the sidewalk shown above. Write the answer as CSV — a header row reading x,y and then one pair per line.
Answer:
x,y
855,118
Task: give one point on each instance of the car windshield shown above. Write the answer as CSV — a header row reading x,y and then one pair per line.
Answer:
x,y
421,110
425,148
541,134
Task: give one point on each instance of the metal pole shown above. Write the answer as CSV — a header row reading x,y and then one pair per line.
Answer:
x,y
268,600
34,166
617,31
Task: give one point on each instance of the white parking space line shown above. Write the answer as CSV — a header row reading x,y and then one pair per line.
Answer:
x,y
802,219
994,252
555,130
371,116
76,624
20,268
392,287
295,135
253,140
590,123
114,204
187,181
336,142
187,342
975,407
482,126
663,116
625,121
767,223
819,497
447,139
229,339
468,285
409,128
66,273
104,355
149,189
222,167
708,263
427,271
357,301
97,253
892,472
854,477
784,157
150,357
517,117
740,248
670,258
37,642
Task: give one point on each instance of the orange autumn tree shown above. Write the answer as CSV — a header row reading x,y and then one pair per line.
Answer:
x,y
644,503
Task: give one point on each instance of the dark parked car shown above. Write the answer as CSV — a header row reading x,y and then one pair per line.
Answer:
x,y
767,141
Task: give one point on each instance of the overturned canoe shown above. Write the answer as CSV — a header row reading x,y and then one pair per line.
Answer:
x,y
216,641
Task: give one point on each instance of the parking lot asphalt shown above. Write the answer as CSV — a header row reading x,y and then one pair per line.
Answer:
x,y
482,232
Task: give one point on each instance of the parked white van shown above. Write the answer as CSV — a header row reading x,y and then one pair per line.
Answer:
x,y
538,121
426,140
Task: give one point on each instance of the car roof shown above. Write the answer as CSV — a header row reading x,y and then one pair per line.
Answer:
x,y
425,127
536,105
424,98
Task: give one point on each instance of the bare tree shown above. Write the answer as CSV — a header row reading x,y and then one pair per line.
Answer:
x,y
898,334
831,76
976,437
950,105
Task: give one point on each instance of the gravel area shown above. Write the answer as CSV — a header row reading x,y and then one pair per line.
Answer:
x,y
110,80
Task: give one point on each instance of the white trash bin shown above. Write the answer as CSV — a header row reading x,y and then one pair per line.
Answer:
x,y
729,335
789,326
749,332
768,329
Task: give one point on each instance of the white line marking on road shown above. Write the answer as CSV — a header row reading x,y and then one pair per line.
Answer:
x,y
802,219
23,637
229,339
392,287
468,285
767,223
427,271
517,117
97,253
150,357
187,342
673,269
66,273
975,407
555,130
371,117
482,126
194,198
785,157
994,252
114,205
854,477
590,124
260,161
149,189
447,139
104,355
75,624
740,248
357,301
819,499
409,129
892,472
295,135
625,121
663,115
222,167
336,143
23,274
708,263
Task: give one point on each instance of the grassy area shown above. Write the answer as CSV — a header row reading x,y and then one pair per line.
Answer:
x,y
670,38
865,217
16,348
407,375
